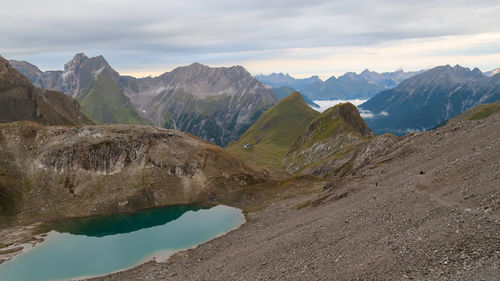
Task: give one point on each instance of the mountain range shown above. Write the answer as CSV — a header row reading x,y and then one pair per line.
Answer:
x,y
220,104
430,98
215,104
348,86
278,80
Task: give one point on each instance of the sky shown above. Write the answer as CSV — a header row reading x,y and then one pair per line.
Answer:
x,y
302,38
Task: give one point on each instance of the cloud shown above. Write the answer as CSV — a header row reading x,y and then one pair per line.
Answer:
x,y
288,36
367,114
325,104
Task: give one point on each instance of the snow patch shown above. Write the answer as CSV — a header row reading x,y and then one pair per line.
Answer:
x,y
97,72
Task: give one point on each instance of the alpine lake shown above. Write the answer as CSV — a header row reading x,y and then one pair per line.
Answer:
x,y
87,247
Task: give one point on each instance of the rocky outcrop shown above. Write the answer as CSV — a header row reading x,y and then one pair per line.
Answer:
x,y
55,172
19,100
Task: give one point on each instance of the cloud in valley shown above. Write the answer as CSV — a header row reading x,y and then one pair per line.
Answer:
x,y
299,37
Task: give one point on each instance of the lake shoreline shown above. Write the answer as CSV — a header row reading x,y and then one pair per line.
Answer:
x,y
161,234
161,258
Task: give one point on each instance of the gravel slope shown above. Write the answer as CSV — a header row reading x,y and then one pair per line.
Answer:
x,y
433,215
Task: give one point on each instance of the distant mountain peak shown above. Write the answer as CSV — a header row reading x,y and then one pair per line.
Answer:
x,y
278,80
493,72
350,114
367,71
75,62
196,64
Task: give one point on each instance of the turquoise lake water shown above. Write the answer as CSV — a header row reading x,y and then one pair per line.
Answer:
x,y
98,246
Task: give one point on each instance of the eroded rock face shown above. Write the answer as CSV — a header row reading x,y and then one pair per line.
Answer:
x,y
54,172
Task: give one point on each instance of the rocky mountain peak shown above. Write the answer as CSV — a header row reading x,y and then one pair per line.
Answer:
x,y
74,64
367,72
444,75
350,114
350,76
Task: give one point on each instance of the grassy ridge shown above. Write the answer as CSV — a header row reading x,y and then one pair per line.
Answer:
x,y
105,103
271,135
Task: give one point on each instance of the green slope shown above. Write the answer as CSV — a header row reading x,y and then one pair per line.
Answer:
x,y
271,135
478,112
474,113
105,103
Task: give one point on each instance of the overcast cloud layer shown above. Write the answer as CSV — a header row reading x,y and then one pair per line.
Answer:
x,y
299,37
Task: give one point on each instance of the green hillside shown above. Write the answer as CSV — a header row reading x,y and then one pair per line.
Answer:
x,y
331,135
478,112
268,139
105,103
